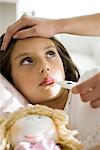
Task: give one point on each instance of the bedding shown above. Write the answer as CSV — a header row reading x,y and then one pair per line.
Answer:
x,y
10,98
83,62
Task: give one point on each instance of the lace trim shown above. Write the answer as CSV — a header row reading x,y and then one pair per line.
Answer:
x,y
94,137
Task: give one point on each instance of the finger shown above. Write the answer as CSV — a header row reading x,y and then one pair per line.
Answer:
x,y
96,103
11,31
84,87
91,95
29,32
6,41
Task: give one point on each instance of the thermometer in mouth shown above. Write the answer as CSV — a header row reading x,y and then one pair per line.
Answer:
x,y
67,84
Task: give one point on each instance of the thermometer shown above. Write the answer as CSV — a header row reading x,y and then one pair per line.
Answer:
x,y
67,84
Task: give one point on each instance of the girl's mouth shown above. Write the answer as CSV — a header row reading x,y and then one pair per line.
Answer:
x,y
47,81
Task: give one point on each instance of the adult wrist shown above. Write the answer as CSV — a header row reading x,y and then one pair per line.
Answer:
x,y
62,26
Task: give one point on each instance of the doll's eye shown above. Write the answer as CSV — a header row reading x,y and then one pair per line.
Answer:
x,y
26,61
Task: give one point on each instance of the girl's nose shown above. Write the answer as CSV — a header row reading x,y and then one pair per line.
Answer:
x,y
44,69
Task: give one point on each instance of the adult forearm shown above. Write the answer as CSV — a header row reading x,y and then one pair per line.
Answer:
x,y
81,25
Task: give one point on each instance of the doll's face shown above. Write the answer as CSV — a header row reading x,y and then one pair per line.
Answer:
x,y
32,128
36,66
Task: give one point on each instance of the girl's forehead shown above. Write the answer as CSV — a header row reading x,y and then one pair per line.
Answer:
x,y
30,44
35,43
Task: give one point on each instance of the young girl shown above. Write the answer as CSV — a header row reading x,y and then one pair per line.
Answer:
x,y
34,65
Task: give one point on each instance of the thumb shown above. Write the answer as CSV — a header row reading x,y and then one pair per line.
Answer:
x,y
75,89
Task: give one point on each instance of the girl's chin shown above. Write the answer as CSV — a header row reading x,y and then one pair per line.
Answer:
x,y
47,96
43,100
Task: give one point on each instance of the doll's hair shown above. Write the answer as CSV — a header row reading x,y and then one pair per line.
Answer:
x,y
71,71
66,138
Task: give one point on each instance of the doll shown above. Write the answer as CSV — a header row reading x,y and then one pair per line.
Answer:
x,y
38,127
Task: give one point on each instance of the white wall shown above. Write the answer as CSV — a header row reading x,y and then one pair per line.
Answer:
x,y
11,10
58,8
1,19
84,50
7,15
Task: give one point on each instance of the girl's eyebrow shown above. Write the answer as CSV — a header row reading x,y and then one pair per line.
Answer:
x,y
25,54
21,55
47,47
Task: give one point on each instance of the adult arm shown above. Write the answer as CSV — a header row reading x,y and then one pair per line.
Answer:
x,y
28,26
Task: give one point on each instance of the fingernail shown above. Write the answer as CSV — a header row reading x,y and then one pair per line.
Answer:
x,y
15,36
1,49
75,90
93,106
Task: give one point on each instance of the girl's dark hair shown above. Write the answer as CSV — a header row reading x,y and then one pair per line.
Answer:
x,y
5,65
71,71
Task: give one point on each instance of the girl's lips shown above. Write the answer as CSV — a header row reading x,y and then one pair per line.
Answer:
x,y
47,81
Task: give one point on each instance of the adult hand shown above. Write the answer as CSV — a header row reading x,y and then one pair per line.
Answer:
x,y
89,90
28,26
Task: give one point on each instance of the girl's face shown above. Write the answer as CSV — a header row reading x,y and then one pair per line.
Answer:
x,y
36,66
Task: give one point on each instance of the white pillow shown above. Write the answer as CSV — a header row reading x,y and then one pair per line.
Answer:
x,y
76,43
10,98
83,62
96,51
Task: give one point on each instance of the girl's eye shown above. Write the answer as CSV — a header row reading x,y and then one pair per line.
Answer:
x,y
50,54
26,61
